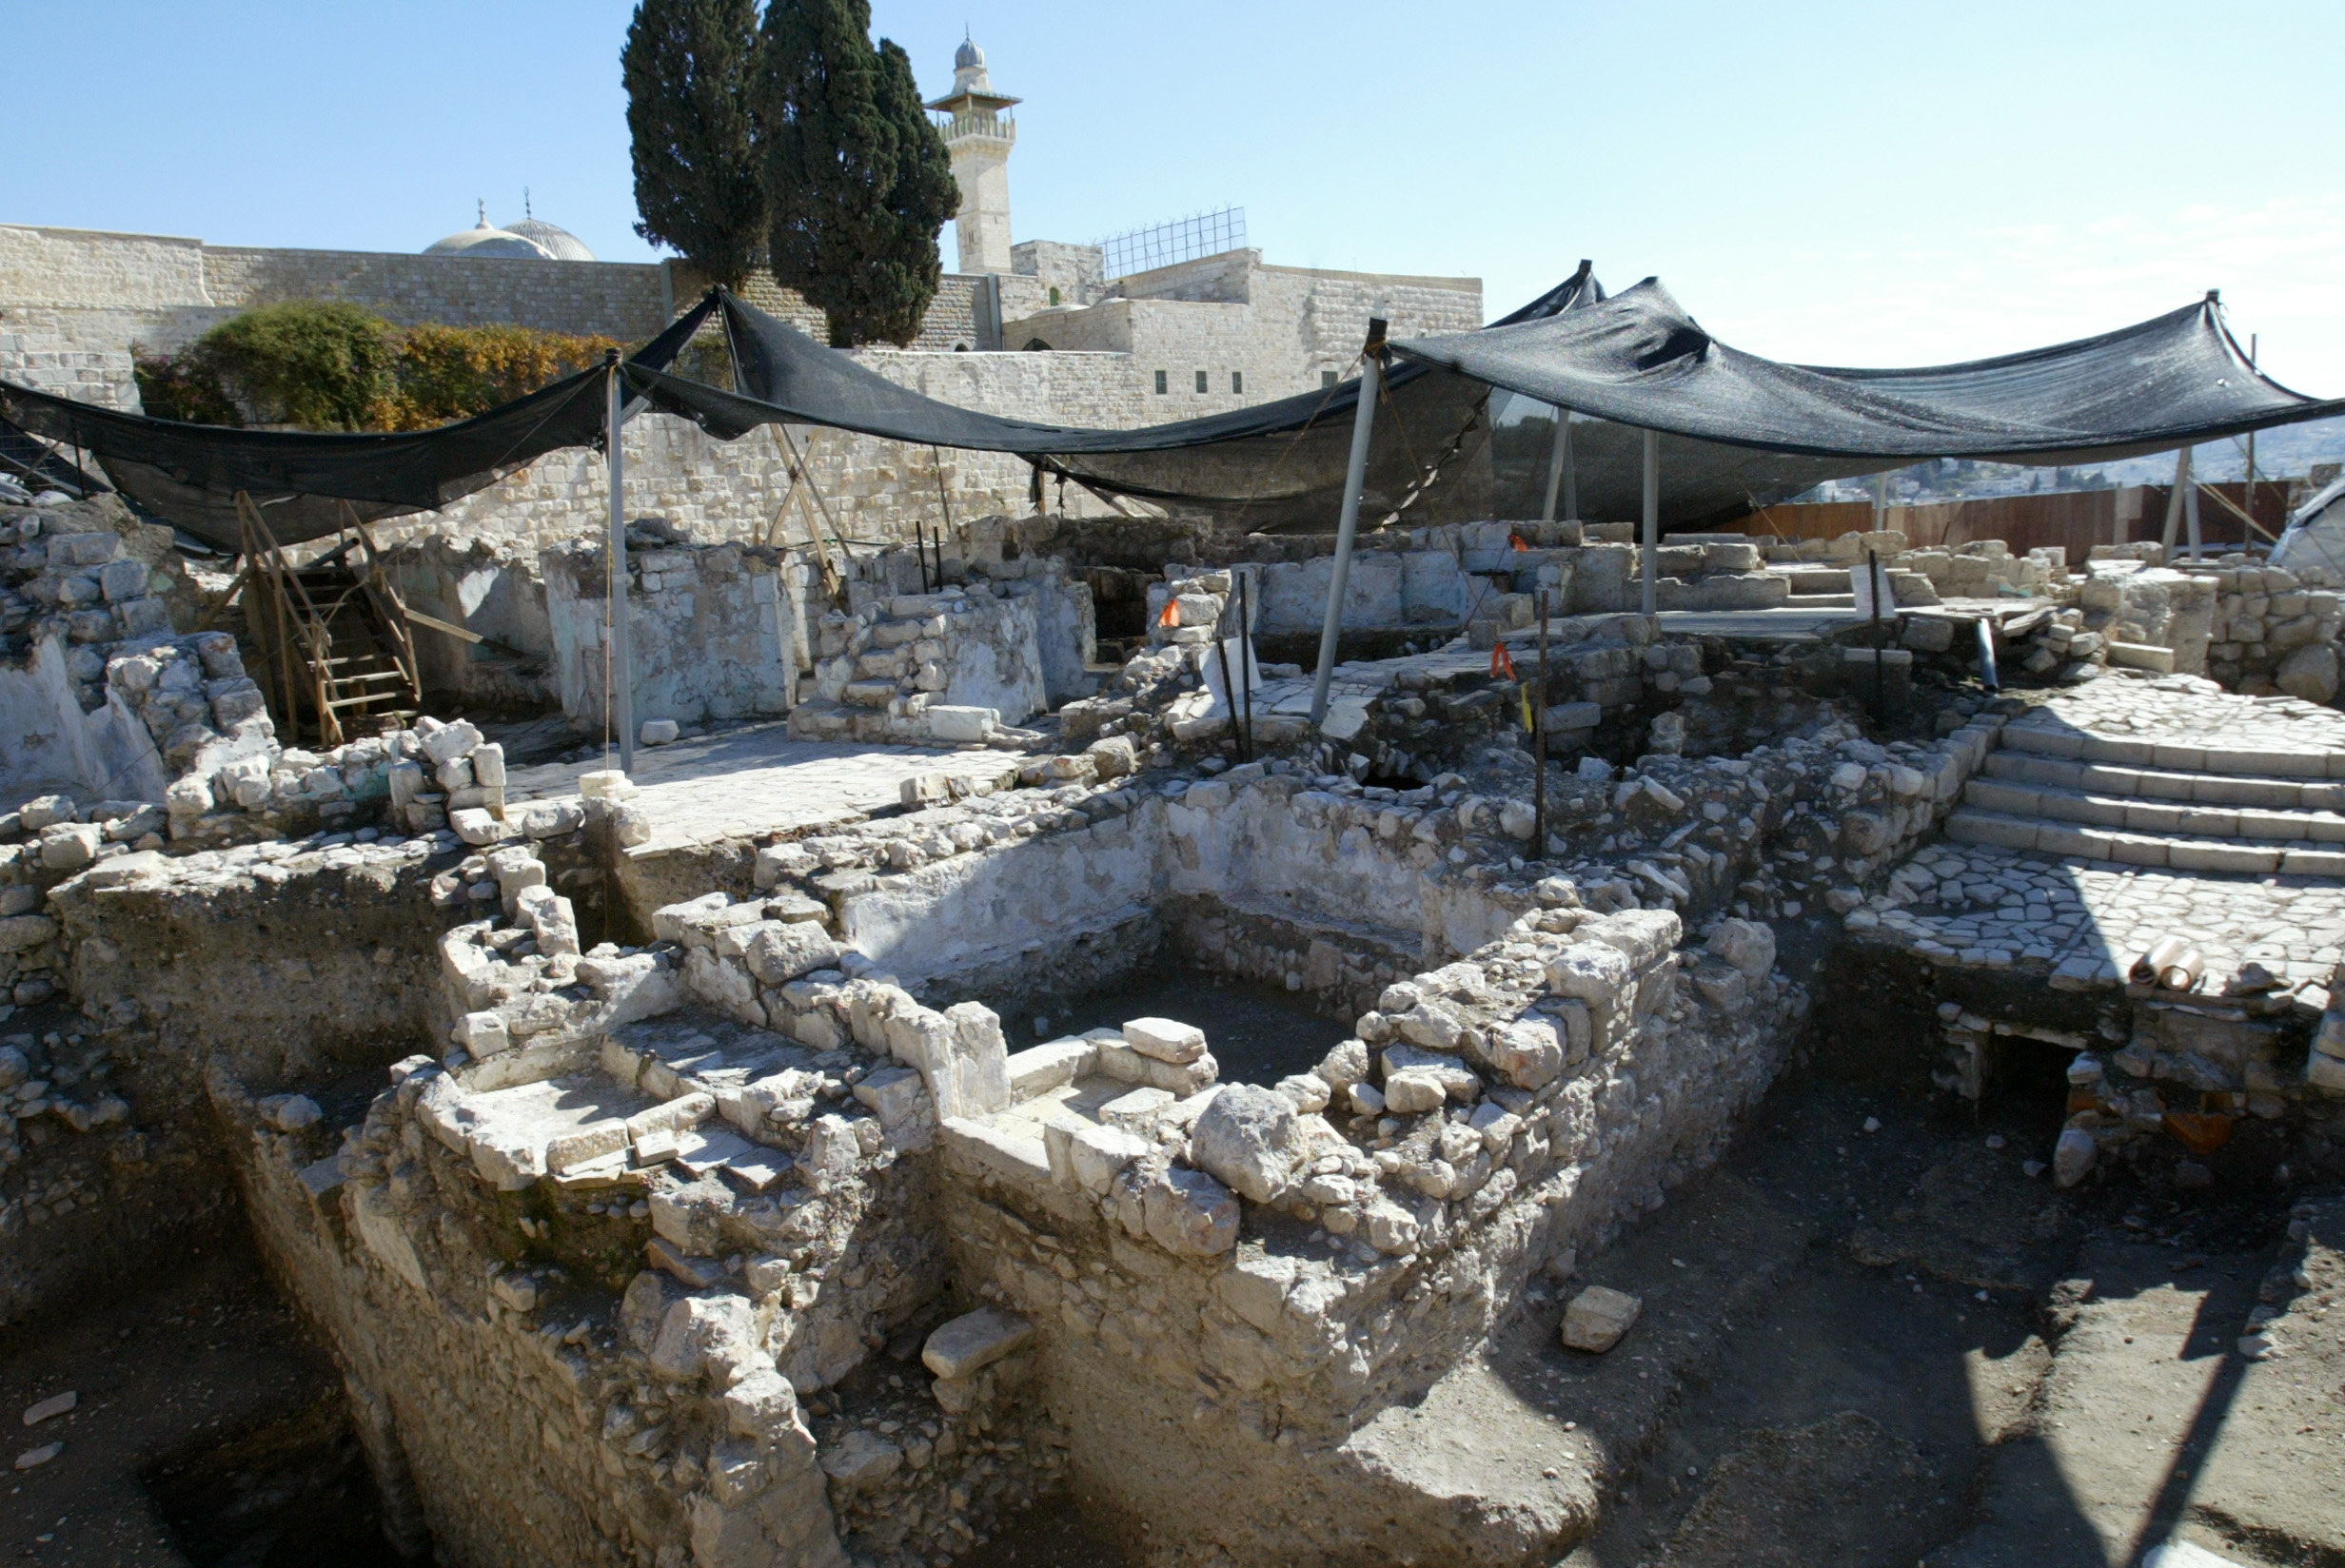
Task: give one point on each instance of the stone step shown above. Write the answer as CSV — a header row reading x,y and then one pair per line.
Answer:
x,y
2279,795
2292,857
2133,814
2060,741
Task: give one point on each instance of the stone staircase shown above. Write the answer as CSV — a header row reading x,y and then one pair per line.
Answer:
x,y
2137,800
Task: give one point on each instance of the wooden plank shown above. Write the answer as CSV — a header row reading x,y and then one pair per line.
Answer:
x,y
439,625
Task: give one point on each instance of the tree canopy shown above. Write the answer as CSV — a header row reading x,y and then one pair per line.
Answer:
x,y
690,69
858,182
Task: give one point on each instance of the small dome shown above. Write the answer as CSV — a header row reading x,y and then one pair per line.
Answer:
x,y
555,241
480,240
968,56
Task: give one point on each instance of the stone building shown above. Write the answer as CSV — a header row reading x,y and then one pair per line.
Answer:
x,y
1201,336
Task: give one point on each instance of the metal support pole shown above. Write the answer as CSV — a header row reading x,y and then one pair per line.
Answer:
x,y
1560,477
2174,497
1348,521
1649,599
2190,516
622,649
2249,496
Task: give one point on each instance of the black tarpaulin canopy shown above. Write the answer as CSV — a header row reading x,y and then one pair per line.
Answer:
x,y
1737,429
302,481
1288,454
1639,359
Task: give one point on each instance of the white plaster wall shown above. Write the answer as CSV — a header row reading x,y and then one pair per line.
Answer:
x,y
980,911
707,643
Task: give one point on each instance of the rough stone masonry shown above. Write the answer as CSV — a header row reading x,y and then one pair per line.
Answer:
x,y
662,1158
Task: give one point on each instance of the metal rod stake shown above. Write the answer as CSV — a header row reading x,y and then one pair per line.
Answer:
x,y
1539,742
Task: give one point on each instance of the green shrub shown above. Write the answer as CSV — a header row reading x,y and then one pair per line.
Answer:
x,y
330,367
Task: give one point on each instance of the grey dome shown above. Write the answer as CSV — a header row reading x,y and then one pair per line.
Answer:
x,y
480,240
555,241
968,56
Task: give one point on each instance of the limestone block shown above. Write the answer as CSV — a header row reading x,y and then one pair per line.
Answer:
x,y
974,1341
1138,1110
1411,1092
1090,1157
898,1097
1114,758
1529,1052
19,933
1049,1065
1598,1317
1307,1092
1599,974
862,1458
1188,1213
2142,656
582,1146
1164,1039
72,846
445,742
785,950
1347,1064
1249,1138
482,1034
1645,935
955,724
475,827
2310,671
1749,944
702,1333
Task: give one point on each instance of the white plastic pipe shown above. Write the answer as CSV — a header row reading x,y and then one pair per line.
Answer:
x,y
1561,477
1348,521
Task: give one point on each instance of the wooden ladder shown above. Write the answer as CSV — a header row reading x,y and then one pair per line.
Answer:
x,y
336,658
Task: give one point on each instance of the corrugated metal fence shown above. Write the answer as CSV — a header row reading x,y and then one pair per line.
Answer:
x,y
2075,520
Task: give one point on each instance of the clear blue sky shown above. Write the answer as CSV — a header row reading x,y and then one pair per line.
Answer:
x,y
1850,184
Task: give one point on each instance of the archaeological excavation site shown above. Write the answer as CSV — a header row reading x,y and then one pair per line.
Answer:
x,y
784,965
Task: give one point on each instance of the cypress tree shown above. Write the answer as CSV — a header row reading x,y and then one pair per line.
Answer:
x,y
690,70
858,179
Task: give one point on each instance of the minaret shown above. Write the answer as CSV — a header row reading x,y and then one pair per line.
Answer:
x,y
979,136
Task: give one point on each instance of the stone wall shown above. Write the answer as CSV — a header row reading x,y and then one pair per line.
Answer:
x,y
74,302
1282,328
715,632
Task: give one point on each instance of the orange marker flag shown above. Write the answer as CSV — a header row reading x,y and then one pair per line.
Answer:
x,y
1172,616
1502,663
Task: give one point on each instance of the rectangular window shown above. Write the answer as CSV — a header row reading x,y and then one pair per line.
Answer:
x,y
1200,381
1326,379
1160,386
1237,381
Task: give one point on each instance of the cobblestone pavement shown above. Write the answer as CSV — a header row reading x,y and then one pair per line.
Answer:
x,y
2084,920
756,780
2234,735
2175,744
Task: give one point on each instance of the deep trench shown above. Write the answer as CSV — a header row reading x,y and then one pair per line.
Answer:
x,y
1863,1333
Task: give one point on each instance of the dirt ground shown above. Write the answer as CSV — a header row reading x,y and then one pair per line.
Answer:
x,y
208,1430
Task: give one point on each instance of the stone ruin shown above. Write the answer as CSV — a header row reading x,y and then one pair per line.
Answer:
x,y
671,1200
